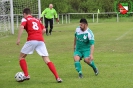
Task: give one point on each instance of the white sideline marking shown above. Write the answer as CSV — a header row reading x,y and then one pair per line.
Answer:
x,y
124,34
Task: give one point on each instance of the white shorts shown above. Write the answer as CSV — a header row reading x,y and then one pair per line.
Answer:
x,y
39,46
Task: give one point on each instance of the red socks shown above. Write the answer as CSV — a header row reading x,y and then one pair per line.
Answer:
x,y
23,66
52,68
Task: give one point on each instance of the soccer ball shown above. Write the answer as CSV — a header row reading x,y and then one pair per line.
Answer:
x,y
19,76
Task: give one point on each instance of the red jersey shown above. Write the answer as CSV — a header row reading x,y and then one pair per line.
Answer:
x,y
33,27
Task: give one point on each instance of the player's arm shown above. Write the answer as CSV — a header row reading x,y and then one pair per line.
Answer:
x,y
91,41
43,31
43,13
19,34
91,51
74,45
43,28
56,16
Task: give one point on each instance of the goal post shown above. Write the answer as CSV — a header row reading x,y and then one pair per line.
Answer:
x,y
4,17
12,17
11,13
39,8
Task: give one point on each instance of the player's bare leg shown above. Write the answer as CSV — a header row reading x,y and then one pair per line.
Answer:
x,y
52,68
78,66
91,63
23,65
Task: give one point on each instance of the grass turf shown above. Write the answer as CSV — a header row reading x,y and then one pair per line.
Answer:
x,y
113,56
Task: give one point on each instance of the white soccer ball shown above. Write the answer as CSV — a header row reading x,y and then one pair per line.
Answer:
x,y
19,76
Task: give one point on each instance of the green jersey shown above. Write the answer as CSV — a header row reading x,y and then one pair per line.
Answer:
x,y
84,39
49,13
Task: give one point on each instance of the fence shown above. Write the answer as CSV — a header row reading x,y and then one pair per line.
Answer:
x,y
95,16
67,18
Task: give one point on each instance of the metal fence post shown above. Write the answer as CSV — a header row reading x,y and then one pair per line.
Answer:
x,y
69,18
93,17
66,18
62,18
97,17
117,17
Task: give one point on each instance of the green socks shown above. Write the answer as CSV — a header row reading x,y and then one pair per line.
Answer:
x,y
78,66
92,64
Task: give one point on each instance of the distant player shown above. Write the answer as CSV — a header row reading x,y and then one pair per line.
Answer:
x,y
84,47
49,14
35,41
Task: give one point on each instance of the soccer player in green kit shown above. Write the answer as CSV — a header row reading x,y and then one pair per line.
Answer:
x,y
84,47
49,15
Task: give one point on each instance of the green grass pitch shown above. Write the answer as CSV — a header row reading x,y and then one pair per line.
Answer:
x,y
113,56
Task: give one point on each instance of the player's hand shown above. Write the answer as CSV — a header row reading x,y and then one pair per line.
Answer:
x,y
41,18
91,57
18,42
57,20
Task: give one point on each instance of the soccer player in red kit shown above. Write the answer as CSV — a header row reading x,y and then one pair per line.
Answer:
x,y
35,41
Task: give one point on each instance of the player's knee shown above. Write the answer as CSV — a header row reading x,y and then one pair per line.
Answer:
x,y
22,56
46,59
87,60
51,26
76,58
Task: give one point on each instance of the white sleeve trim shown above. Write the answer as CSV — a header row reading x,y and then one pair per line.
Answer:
x,y
90,36
23,20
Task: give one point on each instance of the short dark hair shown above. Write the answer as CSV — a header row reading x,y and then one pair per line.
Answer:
x,y
83,20
26,11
